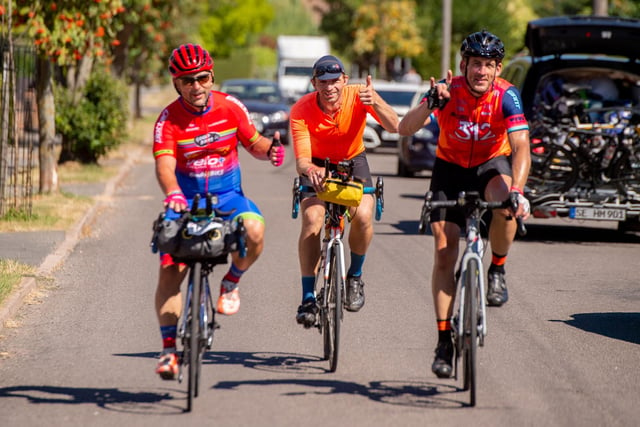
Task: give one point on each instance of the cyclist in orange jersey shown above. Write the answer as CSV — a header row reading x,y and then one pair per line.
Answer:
x,y
329,123
483,146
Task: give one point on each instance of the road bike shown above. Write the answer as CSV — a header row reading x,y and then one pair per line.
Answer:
x,y
330,283
197,324
469,323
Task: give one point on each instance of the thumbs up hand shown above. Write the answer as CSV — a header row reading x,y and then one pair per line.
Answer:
x,y
366,92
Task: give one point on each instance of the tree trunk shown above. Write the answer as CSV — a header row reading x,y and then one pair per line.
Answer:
x,y
47,132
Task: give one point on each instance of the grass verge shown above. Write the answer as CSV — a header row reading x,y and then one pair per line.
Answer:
x,y
11,272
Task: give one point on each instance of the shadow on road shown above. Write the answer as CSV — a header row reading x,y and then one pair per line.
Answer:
x,y
422,394
620,326
411,393
108,398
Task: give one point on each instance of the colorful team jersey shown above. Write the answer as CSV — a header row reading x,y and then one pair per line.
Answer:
x,y
474,130
316,134
205,144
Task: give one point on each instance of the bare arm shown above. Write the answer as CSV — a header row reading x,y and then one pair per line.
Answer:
x,y
166,174
418,116
388,116
521,157
262,150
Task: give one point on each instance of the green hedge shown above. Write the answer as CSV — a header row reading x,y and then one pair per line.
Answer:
x,y
97,123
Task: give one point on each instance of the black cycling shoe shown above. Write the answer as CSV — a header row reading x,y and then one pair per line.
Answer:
x,y
355,294
442,364
497,293
307,313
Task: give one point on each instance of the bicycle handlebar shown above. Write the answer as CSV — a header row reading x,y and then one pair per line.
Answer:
x,y
470,201
310,189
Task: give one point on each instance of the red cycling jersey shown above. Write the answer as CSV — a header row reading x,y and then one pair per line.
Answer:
x,y
205,143
474,130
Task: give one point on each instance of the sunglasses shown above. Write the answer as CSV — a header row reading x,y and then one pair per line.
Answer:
x,y
321,70
202,79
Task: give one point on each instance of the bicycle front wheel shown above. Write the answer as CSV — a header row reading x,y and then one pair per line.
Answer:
x,y
470,328
195,278
333,315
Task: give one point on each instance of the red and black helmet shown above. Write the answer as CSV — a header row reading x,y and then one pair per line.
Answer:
x,y
189,59
482,44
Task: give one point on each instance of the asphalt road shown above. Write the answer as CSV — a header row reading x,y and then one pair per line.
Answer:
x,y
562,352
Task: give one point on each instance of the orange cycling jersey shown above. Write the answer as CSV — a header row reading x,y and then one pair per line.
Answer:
x,y
319,135
474,130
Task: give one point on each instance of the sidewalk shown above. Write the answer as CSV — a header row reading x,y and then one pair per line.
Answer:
x,y
46,250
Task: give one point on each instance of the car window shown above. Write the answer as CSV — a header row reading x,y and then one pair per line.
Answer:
x,y
396,97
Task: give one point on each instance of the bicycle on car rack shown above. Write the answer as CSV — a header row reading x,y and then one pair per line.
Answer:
x,y
469,323
193,247
330,284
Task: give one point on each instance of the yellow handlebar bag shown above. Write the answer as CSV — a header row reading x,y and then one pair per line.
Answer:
x,y
347,193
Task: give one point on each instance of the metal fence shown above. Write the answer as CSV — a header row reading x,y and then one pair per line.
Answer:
x,y
18,127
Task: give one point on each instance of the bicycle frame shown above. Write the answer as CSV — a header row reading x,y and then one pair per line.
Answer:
x,y
332,243
474,249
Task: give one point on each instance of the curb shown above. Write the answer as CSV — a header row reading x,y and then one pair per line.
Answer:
x,y
15,299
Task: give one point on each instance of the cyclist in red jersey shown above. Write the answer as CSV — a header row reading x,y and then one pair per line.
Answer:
x,y
329,123
483,146
195,147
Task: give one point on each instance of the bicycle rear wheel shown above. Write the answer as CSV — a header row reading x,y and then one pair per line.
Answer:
x,y
333,314
470,328
194,353
554,169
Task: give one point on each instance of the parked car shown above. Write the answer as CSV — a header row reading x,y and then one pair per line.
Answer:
x,y
594,59
267,107
417,152
399,97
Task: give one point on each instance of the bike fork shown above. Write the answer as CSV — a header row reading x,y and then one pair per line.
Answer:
x,y
336,246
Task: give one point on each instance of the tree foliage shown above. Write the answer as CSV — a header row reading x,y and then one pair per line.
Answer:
x,y
386,29
66,31
230,24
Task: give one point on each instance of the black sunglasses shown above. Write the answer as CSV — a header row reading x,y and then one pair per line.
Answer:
x,y
321,70
203,79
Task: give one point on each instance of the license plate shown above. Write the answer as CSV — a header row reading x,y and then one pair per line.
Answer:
x,y
598,214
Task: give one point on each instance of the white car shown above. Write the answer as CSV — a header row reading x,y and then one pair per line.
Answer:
x,y
398,96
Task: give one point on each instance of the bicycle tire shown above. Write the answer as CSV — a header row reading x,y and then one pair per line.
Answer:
x,y
333,316
195,278
554,169
470,344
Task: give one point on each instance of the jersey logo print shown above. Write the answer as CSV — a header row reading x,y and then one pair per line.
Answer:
x,y
469,131
208,138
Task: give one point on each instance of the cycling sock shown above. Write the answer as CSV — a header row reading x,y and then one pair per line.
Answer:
x,y
355,269
308,288
231,279
168,338
497,263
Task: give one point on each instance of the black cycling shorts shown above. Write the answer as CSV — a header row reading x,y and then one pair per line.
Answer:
x,y
449,179
360,171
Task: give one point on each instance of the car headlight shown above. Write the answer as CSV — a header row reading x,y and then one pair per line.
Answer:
x,y
277,116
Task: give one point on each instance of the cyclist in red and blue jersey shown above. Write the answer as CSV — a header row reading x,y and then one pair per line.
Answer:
x,y
195,147
483,146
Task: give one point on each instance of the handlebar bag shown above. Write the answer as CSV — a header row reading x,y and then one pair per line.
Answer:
x,y
187,238
346,193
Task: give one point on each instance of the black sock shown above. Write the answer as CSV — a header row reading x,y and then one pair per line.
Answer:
x,y
444,336
496,269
